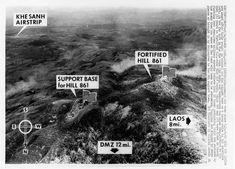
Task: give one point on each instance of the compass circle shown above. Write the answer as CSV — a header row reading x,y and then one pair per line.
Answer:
x,y
25,126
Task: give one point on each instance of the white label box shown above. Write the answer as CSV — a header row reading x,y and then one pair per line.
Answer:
x,y
151,57
179,121
30,19
77,81
114,147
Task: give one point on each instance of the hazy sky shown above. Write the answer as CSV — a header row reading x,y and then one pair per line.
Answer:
x,y
117,3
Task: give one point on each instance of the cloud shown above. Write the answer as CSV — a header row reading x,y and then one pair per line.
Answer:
x,y
123,65
191,60
20,86
195,71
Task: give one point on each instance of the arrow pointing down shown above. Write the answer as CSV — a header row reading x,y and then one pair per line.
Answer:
x,y
114,150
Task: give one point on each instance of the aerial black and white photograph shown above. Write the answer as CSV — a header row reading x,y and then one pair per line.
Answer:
x,y
81,87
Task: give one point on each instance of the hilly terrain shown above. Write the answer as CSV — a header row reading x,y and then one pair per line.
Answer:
x,y
130,105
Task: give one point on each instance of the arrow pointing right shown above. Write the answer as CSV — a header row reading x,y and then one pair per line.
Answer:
x,y
188,121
